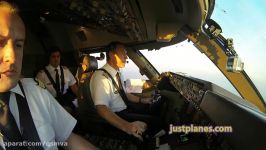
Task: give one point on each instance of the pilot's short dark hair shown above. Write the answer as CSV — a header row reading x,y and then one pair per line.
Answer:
x,y
53,50
111,47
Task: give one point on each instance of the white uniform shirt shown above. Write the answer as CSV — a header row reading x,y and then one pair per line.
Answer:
x,y
103,91
52,122
69,78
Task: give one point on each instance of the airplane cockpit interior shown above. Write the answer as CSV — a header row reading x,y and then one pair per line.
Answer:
x,y
86,27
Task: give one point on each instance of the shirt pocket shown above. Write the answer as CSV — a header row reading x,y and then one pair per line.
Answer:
x,y
66,83
115,94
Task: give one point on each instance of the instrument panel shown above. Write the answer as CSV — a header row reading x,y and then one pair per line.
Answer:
x,y
212,105
189,88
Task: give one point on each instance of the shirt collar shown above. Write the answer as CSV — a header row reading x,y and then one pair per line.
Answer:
x,y
110,69
17,90
52,68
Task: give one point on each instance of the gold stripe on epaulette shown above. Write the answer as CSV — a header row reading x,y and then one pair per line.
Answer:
x,y
40,83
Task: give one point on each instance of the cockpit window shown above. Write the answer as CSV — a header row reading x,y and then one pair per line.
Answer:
x,y
244,21
185,59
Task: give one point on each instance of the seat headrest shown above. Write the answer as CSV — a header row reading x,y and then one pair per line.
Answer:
x,y
93,65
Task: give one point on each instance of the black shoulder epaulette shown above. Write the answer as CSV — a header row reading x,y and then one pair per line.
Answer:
x,y
40,83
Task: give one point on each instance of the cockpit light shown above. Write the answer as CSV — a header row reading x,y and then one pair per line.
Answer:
x,y
166,38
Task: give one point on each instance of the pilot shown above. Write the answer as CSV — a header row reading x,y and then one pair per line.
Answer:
x,y
59,80
83,70
83,74
28,113
109,98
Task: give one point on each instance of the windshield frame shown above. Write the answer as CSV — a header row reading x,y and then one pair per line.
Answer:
x,y
240,81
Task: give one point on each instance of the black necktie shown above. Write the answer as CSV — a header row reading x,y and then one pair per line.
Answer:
x,y
9,128
57,81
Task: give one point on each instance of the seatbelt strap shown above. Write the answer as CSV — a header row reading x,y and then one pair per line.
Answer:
x,y
62,79
28,130
120,90
58,93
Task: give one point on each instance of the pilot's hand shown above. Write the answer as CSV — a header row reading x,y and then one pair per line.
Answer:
x,y
146,100
136,129
147,84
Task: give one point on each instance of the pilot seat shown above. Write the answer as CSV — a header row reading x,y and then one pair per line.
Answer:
x,y
92,126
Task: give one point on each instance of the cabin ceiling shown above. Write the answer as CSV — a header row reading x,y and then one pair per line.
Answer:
x,y
135,20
